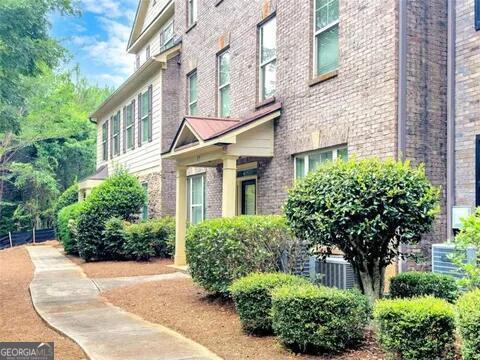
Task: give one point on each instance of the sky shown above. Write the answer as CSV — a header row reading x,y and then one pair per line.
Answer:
x,y
97,39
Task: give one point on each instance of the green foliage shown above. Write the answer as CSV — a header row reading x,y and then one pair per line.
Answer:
x,y
468,322
67,220
309,318
468,236
114,238
253,299
224,249
366,208
122,196
68,197
414,284
154,237
417,328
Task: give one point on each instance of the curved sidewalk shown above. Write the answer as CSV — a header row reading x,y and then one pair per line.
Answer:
x,y
69,302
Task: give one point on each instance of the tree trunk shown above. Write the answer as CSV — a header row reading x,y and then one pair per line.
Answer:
x,y
372,280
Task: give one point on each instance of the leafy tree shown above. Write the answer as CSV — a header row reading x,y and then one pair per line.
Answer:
x,y
468,236
366,208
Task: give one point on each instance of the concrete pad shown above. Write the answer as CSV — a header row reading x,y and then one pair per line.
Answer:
x,y
111,283
69,302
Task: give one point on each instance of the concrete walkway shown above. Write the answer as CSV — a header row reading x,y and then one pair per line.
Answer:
x,y
68,301
105,284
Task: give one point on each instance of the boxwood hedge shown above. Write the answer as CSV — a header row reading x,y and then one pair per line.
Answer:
x,y
253,299
224,249
468,321
309,318
67,220
412,284
416,328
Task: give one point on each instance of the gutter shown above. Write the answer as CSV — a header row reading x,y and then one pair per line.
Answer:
x,y
402,80
450,116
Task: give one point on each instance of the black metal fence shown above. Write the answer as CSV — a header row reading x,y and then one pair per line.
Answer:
x,y
26,237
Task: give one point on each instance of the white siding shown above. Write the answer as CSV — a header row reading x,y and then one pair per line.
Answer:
x,y
154,43
140,159
152,11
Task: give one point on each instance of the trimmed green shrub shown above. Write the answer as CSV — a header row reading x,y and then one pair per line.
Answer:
x,y
416,328
67,220
468,321
114,237
366,208
68,197
309,318
122,196
413,284
154,237
224,249
253,299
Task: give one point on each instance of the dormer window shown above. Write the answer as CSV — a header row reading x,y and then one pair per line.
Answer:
x,y
166,36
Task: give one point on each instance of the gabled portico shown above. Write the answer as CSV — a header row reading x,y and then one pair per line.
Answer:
x,y
210,142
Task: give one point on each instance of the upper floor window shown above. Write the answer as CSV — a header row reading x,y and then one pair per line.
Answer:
x,y
477,14
166,36
192,93
116,133
268,58
144,116
192,12
105,141
147,52
223,67
305,163
129,126
196,198
326,36
137,61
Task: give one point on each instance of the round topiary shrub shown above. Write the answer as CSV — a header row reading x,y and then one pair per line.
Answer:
x,y
114,237
308,318
253,299
122,196
417,328
414,284
468,321
365,208
67,220
224,249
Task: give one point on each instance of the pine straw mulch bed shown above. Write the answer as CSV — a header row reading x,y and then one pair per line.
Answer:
x,y
110,269
18,319
187,309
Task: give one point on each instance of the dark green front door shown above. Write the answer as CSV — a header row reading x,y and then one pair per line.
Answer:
x,y
249,197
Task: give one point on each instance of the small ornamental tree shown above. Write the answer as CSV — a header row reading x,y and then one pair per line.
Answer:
x,y
366,208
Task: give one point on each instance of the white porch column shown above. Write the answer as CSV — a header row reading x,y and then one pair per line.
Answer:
x,y
229,193
180,216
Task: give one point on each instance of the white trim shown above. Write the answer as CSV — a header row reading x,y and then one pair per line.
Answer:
x,y
262,65
305,156
318,32
220,86
190,205
190,103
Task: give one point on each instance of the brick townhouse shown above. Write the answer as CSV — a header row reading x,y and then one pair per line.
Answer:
x,y
248,95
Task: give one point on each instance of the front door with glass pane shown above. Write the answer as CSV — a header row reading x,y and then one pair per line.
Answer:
x,y
249,197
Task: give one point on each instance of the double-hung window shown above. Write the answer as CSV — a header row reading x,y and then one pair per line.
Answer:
x,y
144,116
223,67
105,141
192,12
196,198
305,163
192,93
268,58
129,127
326,36
147,52
166,36
116,133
